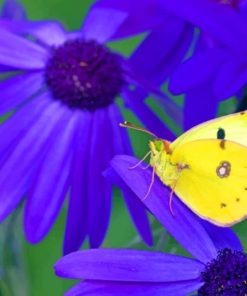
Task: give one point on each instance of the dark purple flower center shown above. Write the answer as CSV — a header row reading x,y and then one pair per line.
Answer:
x,y
84,74
226,275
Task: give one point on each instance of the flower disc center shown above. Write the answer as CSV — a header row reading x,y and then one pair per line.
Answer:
x,y
226,275
84,74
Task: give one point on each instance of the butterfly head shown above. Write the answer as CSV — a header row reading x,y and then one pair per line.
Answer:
x,y
158,146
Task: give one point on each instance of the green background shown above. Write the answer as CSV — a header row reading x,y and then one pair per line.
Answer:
x,y
28,269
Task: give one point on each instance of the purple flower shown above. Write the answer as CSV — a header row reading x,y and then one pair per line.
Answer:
x,y
63,129
217,267
12,10
178,22
217,68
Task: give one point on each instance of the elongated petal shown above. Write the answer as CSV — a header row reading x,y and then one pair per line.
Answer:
x,y
16,90
220,21
223,237
183,225
139,20
196,71
13,10
21,53
49,33
99,190
231,77
128,266
50,183
200,105
101,24
122,289
18,166
122,145
77,217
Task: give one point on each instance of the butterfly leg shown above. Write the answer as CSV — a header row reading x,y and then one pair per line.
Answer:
x,y
139,162
171,196
180,167
151,184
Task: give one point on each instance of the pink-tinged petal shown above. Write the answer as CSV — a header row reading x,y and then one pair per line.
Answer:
x,y
96,288
50,183
196,71
77,217
220,21
16,90
101,24
184,225
18,52
231,77
128,266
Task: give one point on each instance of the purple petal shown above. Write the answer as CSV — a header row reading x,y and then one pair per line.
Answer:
x,y
102,23
96,288
122,145
140,18
76,225
16,90
200,68
232,76
200,105
223,237
150,59
220,21
135,207
50,183
185,226
99,190
13,10
17,165
12,131
18,52
49,33
128,266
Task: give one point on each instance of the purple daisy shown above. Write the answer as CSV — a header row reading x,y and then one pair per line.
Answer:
x,y
63,129
217,68
218,265
177,34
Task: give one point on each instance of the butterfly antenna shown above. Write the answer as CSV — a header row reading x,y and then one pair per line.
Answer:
x,y
141,161
151,184
137,128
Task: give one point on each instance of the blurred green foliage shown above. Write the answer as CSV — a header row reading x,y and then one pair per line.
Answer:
x,y
30,267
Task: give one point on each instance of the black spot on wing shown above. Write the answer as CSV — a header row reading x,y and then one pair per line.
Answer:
x,y
221,134
223,205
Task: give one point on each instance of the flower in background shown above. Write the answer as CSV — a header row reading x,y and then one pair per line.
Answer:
x,y
218,266
176,34
63,129
217,68
12,10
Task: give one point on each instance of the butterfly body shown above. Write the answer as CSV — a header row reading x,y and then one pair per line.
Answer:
x,y
207,168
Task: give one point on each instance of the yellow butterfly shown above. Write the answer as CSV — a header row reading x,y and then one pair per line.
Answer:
x,y
207,167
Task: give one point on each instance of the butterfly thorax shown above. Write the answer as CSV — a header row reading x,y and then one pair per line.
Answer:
x,y
161,161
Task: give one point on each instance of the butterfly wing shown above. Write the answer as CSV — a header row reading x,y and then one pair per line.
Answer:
x,y
234,128
214,183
